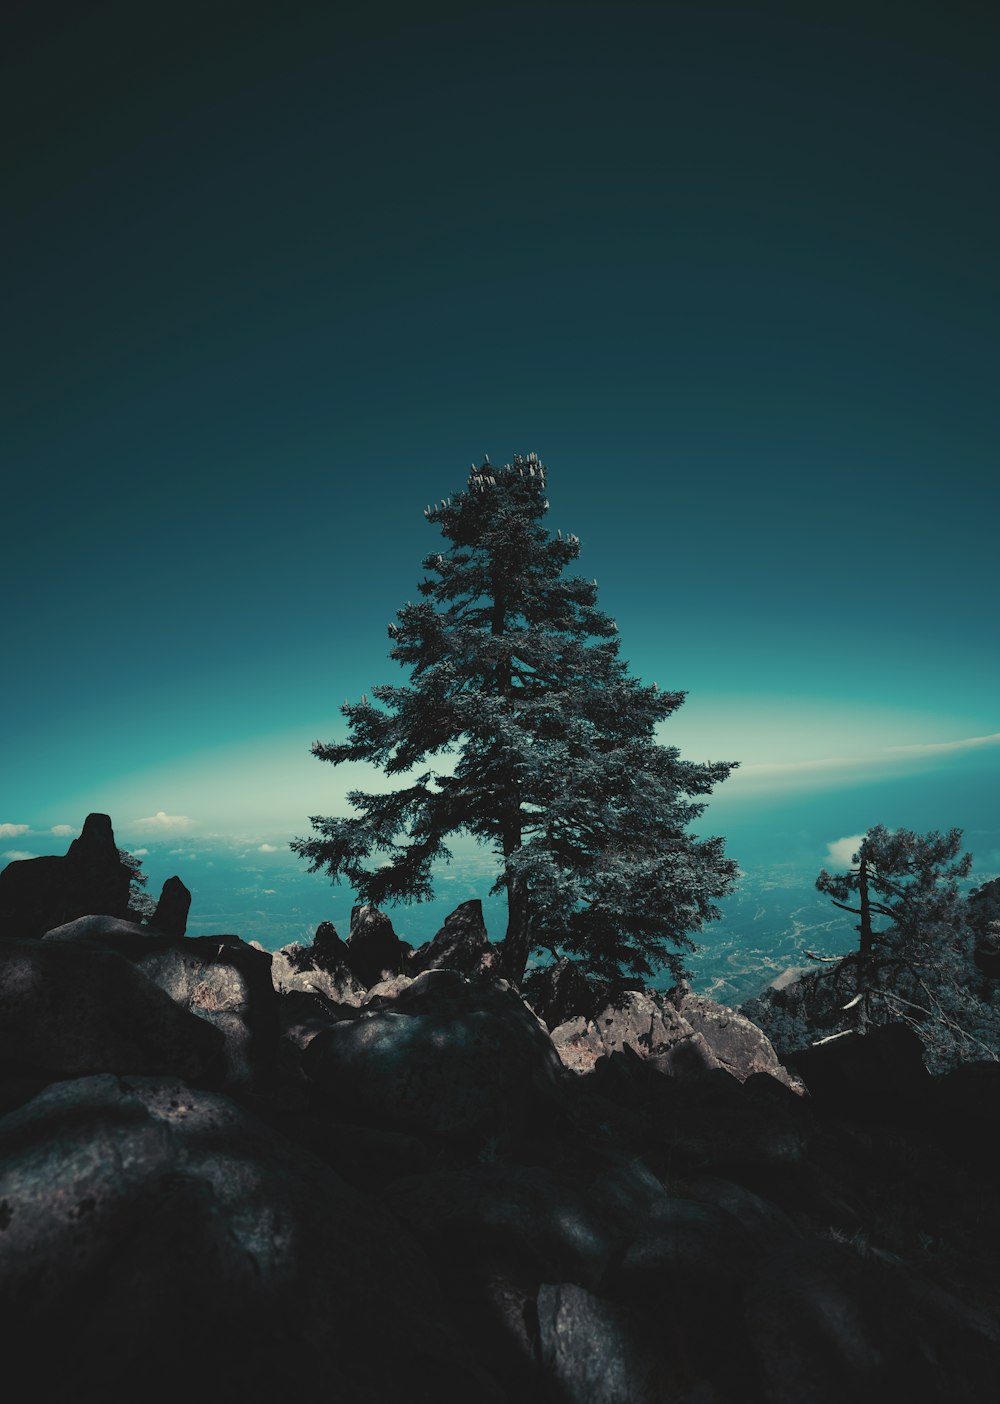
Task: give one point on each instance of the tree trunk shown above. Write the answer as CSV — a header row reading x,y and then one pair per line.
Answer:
x,y
864,949
516,946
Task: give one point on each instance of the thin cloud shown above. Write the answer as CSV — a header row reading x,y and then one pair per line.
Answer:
x,y
969,743
172,823
16,854
13,830
268,848
884,756
138,852
63,830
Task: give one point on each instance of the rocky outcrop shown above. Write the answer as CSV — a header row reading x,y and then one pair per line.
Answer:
x,y
420,1201
220,979
681,1034
39,893
643,1022
462,944
739,1045
70,1008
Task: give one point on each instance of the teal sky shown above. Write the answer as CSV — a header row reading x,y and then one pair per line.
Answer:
x,y
275,276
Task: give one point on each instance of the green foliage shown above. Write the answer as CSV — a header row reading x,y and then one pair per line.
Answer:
x,y
140,904
919,967
515,669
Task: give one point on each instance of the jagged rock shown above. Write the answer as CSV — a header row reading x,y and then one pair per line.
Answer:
x,y
560,992
221,979
467,1064
69,1008
160,1224
740,1046
373,948
172,909
462,944
39,893
592,1350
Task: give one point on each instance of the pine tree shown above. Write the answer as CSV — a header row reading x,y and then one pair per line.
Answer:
x,y
514,668
918,964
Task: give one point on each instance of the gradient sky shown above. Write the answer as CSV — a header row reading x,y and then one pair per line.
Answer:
x,y
276,275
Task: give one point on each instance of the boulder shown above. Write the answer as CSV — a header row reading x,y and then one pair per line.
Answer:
x,y
172,909
373,948
469,1065
70,1008
462,944
39,893
739,1045
163,1228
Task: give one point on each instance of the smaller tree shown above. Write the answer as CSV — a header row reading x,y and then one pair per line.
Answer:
x,y
140,904
914,961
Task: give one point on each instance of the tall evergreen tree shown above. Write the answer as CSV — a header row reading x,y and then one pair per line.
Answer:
x,y
514,667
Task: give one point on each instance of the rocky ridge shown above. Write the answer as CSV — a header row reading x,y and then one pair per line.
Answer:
x,y
381,1172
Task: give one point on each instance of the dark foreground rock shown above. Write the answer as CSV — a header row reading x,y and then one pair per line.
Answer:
x,y
447,1060
164,1229
227,1191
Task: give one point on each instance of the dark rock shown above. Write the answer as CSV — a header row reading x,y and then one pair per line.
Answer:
x,y
827,1324
328,951
470,1065
155,1223
172,909
69,1008
686,1256
561,992
875,1074
462,944
592,1350
39,893
526,1223
373,948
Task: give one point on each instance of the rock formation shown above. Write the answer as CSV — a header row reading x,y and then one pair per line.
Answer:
x,y
419,1193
